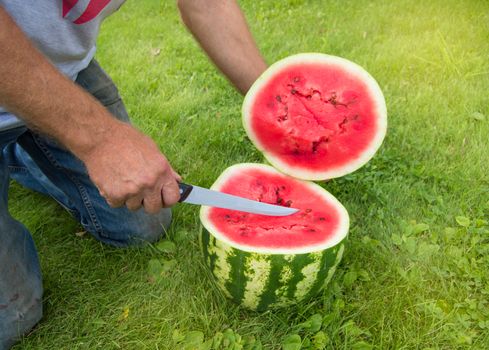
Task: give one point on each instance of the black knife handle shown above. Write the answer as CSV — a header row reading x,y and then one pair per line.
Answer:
x,y
184,191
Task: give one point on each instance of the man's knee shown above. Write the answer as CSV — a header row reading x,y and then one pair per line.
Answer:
x,y
152,227
18,316
20,281
137,229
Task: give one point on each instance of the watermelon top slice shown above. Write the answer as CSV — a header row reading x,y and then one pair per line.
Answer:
x,y
321,222
315,116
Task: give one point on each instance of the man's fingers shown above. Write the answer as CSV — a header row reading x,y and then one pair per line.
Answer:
x,y
153,202
125,183
112,200
176,176
170,194
134,203
115,204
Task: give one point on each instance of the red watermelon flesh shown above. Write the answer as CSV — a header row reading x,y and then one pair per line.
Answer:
x,y
316,116
320,219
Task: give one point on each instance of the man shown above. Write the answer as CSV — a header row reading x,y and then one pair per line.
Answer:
x,y
65,132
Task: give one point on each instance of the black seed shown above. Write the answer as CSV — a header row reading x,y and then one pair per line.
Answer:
x,y
315,145
322,219
293,91
308,210
288,203
278,98
281,118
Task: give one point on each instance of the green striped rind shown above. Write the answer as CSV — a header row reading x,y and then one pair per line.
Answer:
x,y
260,281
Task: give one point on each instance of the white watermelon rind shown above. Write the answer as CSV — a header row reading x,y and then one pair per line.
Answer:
x,y
336,237
354,69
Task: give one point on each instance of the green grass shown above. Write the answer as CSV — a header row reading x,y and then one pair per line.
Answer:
x,y
413,277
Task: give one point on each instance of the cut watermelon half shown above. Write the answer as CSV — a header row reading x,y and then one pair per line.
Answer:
x,y
264,261
315,116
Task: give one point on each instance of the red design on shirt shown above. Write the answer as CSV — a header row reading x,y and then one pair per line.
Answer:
x,y
93,9
67,6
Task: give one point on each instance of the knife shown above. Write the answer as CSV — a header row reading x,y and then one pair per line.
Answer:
x,y
202,196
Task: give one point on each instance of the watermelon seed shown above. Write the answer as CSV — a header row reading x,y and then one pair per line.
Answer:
x,y
290,227
278,98
342,125
308,210
332,99
293,91
296,79
315,144
288,203
322,219
334,102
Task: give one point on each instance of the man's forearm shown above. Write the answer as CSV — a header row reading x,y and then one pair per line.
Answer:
x,y
220,28
46,100
114,153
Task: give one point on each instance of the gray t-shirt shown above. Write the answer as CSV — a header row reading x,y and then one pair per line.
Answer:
x,y
65,31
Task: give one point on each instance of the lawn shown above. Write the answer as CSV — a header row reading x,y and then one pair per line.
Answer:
x,y
415,274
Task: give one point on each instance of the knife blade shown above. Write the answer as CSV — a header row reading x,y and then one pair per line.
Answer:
x,y
203,196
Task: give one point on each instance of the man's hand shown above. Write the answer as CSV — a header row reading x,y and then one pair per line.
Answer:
x,y
128,169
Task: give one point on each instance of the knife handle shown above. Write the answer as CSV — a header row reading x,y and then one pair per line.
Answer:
x,y
184,191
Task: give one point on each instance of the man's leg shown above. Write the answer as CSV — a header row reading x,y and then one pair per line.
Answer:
x,y
20,274
41,164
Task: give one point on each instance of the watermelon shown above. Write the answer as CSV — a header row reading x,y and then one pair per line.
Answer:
x,y
266,261
315,116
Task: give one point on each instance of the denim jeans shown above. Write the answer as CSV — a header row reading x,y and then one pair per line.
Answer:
x,y
39,163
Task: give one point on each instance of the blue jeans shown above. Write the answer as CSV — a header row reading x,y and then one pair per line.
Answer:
x,y
41,164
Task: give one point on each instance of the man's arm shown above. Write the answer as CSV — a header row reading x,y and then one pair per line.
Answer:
x,y
220,28
114,153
